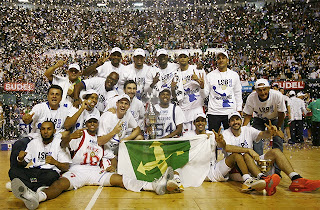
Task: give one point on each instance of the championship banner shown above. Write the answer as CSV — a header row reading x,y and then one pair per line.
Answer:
x,y
13,86
149,159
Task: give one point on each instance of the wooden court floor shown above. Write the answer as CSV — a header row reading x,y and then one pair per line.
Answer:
x,y
226,195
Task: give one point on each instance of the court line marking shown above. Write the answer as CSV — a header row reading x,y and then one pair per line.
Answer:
x,y
94,198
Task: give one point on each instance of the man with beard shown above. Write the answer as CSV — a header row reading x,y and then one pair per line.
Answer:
x,y
104,88
47,157
103,68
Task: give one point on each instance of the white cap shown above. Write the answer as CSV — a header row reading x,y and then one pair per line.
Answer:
x,y
74,66
300,94
222,52
163,89
234,114
201,114
261,83
116,49
161,52
139,51
183,52
88,92
92,116
123,96
292,93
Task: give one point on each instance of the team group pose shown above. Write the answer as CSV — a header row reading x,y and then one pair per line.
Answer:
x,y
75,135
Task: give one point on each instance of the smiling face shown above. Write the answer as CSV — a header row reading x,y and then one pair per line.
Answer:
x,y
165,98
183,60
54,98
92,100
122,106
163,61
200,124
73,74
111,81
235,122
222,62
115,58
131,90
263,92
92,126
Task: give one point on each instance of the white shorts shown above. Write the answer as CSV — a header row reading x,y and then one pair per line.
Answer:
x,y
81,175
219,171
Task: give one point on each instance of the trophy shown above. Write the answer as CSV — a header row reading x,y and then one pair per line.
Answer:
x,y
151,120
265,165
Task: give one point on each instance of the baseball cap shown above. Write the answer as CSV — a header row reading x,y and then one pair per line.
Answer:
x,y
201,114
292,93
123,96
234,114
139,51
183,52
261,83
300,94
161,52
222,52
74,66
116,49
88,92
92,116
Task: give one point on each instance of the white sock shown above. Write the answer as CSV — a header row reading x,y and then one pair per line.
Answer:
x,y
245,177
148,187
292,174
260,175
42,196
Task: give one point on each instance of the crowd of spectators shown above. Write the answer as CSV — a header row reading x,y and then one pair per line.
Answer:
x,y
26,34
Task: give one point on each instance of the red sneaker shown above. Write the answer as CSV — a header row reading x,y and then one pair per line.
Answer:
x,y
304,185
272,182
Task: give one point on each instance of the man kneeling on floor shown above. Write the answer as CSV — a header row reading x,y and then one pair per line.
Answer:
x,y
85,170
240,139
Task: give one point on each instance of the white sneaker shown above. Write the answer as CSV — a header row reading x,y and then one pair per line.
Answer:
x,y
8,186
175,185
253,184
42,188
21,191
160,185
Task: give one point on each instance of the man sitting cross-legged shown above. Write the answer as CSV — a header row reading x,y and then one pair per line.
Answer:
x,y
219,171
85,170
240,139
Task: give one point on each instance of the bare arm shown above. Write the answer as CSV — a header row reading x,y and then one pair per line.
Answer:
x,y
71,121
105,138
247,119
62,166
92,70
236,149
76,92
281,116
49,72
175,132
134,134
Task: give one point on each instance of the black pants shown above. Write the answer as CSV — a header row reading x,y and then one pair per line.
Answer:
x,y
315,129
296,130
33,177
216,120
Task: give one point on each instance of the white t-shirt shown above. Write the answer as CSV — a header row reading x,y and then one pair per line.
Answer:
x,y
297,108
43,112
81,119
167,121
107,123
37,153
265,109
140,79
225,92
98,84
65,84
247,137
166,76
85,150
124,74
